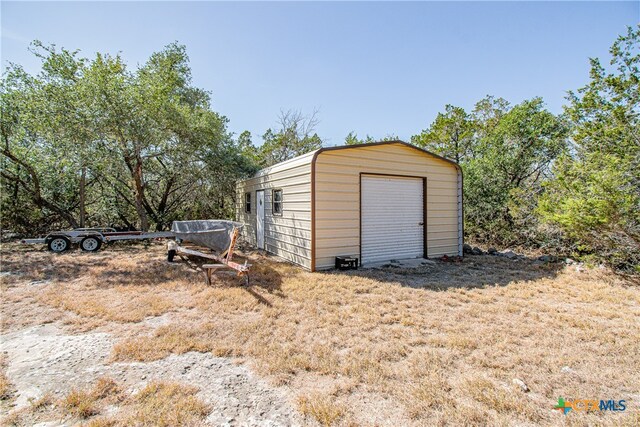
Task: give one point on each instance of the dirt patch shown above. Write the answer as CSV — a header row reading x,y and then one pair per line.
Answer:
x,y
238,396
42,360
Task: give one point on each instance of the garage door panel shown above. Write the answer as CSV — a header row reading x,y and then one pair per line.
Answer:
x,y
392,215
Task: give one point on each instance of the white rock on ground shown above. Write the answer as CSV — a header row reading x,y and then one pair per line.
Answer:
x,y
521,384
42,359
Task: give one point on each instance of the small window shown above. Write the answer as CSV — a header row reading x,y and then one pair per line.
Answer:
x,y
277,202
247,202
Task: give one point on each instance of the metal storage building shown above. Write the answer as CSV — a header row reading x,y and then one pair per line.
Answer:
x,y
376,202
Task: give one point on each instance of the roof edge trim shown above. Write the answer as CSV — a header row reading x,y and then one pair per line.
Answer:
x,y
374,144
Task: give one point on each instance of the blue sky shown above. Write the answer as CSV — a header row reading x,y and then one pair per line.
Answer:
x,y
373,68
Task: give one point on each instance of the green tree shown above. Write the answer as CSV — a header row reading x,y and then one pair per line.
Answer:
x,y
514,152
594,196
92,139
45,149
352,139
294,136
163,131
486,114
451,135
248,150
505,153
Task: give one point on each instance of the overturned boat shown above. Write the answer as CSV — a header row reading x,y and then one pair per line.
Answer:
x,y
215,234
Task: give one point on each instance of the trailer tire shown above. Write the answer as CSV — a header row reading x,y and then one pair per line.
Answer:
x,y
170,254
58,244
90,244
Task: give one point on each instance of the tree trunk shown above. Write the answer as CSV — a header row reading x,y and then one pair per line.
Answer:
x,y
162,206
83,186
34,188
134,164
16,194
139,187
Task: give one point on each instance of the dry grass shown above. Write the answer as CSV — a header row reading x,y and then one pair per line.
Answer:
x,y
5,387
321,408
30,415
5,384
429,389
86,403
164,341
99,304
79,403
501,399
438,345
107,389
162,404
166,404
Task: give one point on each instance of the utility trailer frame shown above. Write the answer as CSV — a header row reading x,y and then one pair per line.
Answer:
x,y
90,239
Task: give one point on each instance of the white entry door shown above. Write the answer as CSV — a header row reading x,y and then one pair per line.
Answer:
x,y
260,219
392,218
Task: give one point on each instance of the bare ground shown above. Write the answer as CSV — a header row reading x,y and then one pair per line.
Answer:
x,y
439,344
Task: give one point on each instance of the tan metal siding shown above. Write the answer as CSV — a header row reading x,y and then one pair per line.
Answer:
x,y
287,235
337,197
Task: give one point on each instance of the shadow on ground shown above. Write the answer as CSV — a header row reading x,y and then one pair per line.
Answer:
x,y
471,272
112,267
262,277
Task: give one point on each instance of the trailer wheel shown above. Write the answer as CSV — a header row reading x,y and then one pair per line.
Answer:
x,y
170,254
58,244
90,244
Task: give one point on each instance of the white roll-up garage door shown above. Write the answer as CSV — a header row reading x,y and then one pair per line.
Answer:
x,y
392,215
